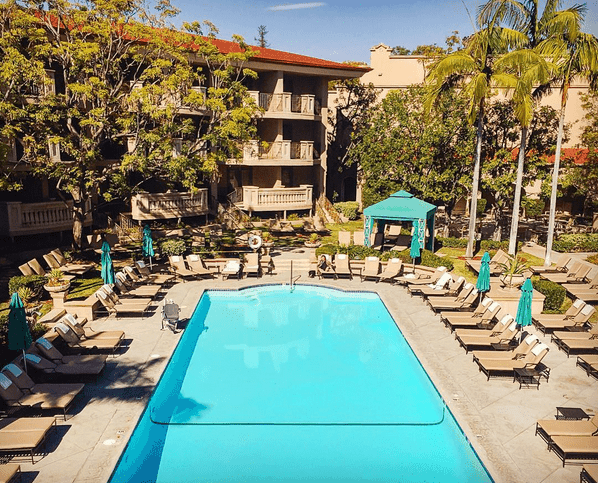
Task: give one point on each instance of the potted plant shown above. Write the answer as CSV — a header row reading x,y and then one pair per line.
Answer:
x,y
267,239
513,272
313,241
57,282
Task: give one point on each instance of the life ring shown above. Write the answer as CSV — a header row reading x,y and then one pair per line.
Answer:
x,y
254,242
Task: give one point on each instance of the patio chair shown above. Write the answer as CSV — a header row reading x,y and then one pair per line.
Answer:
x,y
252,264
359,238
57,396
422,278
177,263
123,299
457,321
50,352
116,308
232,268
325,268
145,275
196,264
377,241
561,266
85,332
589,363
500,326
342,266
76,342
501,368
453,288
519,352
170,315
464,301
344,238
391,271
19,435
126,288
393,233
371,269
547,428
78,369
578,322
469,342
575,448
443,281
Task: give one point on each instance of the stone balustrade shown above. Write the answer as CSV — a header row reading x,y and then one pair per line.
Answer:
x,y
286,102
284,150
156,206
18,219
277,199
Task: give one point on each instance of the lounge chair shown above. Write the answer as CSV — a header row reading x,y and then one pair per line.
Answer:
x,y
127,290
498,368
55,260
50,352
501,325
11,472
78,369
377,241
145,275
26,270
458,303
575,449
130,306
477,313
76,342
452,290
519,352
592,333
170,314
324,267
499,258
474,320
359,238
589,363
56,396
18,435
577,274
36,267
589,474
417,288
583,288
561,266
571,312
196,264
422,278
344,238
391,271
371,268
547,428
232,268
177,263
576,323
470,342
85,332
320,226
251,266
342,266
578,346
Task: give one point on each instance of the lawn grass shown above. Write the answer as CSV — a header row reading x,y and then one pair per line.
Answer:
x,y
355,225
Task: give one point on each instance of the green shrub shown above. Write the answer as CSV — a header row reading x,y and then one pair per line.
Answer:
x,y
532,207
554,293
349,209
581,242
452,242
293,217
481,206
430,259
172,246
33,282
328,249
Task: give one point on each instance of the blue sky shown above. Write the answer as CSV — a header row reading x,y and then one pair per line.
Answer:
x,y
344,30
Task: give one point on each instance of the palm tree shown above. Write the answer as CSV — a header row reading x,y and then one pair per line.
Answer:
x,y
524,16
576,55
472,69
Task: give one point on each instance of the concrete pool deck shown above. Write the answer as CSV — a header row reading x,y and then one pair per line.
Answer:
x,y
496,415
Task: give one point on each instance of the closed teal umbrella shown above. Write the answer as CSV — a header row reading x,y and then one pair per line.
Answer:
x,y
147,244
19,337
524,309
107,267
483,283
415,249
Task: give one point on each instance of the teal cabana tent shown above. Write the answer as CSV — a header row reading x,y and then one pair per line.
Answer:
x,y
401,206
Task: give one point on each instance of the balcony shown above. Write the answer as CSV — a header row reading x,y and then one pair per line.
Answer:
x,y
276,199
160,206
285,105
279,153
38,218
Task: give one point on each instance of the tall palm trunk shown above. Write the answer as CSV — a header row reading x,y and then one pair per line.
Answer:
x,y
555,178
517,201
475,185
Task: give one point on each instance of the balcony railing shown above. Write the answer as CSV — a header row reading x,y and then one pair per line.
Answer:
x,y
277,199
176,99
36,218
285,102
157,206
284,150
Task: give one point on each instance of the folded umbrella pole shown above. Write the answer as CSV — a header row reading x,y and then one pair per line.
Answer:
x,y
147,244
19,337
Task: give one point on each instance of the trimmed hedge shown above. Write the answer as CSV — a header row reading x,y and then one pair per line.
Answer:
x,y
554,293
452,242
533,207
349,209
34,282
481,206
581,242
172,246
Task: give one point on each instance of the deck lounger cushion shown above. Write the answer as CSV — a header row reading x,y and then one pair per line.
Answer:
x,y
50,352
575,448
88,368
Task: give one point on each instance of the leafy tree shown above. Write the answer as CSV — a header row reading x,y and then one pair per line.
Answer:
x,y
400,50
124,76
401,148
261,37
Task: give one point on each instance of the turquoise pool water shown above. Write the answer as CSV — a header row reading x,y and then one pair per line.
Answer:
x,y
312,385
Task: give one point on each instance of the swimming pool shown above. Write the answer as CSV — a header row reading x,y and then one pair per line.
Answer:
x,y
310,385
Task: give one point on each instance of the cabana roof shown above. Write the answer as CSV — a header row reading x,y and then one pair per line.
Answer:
x,y
400,206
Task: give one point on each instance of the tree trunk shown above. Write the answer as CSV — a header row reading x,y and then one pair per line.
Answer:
x,y
475,185
555,182
517,201
79,199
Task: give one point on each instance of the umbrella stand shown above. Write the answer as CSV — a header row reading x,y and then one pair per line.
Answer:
x,y
24,362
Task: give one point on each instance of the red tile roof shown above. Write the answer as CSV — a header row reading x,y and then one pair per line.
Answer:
x,y
576,155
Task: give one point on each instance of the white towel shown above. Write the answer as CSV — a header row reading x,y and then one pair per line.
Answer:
x,y
506,319
62,327
16,370
70,318
578,303
176,258
140,263
587,310
538,348
5,382
193,257
487,301
493,306
45,343
513,326
33,358
530,339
